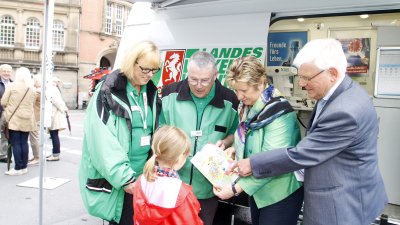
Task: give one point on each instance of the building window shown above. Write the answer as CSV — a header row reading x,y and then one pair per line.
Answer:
x,y
114,19
109,16
119,19
7,31
58,35
32,34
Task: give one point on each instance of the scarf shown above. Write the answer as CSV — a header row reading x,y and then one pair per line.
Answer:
x,y
267,108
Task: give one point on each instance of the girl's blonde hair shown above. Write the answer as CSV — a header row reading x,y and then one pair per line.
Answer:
x,y
143,49
246,69
168,144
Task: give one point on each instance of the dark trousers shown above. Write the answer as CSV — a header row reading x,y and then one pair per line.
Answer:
x,y
208,209
285,212
20,148
55,140
127,211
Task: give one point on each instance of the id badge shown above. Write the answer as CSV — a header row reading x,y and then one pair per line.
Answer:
x,y
196,133
135,108
145,141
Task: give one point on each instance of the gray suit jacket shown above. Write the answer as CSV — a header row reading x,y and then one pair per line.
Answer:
x,y
342,183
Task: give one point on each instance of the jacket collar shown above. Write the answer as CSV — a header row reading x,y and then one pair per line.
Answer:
x,y
217,101
115,83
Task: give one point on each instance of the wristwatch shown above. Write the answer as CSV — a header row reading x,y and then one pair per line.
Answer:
x,y
233,187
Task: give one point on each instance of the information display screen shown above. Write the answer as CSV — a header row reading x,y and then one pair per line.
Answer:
x,y
387,78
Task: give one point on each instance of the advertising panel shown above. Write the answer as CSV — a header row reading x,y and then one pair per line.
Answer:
x,y
284,46
175,61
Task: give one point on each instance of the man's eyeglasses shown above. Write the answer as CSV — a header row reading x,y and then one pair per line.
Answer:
x,y
148,70
203,82
307,79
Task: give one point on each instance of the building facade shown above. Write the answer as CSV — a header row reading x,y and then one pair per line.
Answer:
x,y
101,26
86,35
21,39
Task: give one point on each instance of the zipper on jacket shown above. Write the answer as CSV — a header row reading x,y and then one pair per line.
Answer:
x,y
195,144
194,153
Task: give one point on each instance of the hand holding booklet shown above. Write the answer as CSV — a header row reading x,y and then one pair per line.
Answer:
x,y
212,162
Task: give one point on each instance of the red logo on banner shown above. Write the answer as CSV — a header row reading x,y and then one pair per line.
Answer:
x,y
173,65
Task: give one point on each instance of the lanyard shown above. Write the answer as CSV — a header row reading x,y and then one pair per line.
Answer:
x,y
144,117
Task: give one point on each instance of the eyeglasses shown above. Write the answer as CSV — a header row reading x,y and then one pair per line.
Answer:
x,y
203,82
307,79
148,70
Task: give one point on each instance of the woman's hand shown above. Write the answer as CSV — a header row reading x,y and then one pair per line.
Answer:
x,y
223,192
130,187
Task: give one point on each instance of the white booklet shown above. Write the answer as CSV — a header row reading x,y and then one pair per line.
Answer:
x,y
212,162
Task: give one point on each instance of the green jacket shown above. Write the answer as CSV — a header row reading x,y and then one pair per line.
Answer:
x,y
108,162
284,131
219,118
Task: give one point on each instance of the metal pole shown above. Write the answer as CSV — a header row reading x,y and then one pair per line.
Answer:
x,y
46,60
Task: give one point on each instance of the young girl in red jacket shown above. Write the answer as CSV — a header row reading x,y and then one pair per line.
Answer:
x,y
160,197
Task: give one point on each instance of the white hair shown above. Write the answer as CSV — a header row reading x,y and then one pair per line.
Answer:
x,y
324,54
23,75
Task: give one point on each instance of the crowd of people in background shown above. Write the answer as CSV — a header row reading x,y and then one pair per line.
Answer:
x,y
20,118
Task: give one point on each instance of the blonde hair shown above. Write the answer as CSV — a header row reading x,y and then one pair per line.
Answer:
x,y
143,49
246,69
168,144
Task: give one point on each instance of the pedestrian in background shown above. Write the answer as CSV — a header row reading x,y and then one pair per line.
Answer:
x,y
342,182
160,197
18,102
58,118
5,80
119,122
34,135
267,121
207,112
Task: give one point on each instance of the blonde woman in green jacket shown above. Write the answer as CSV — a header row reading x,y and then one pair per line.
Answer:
x,y
119,123
267,121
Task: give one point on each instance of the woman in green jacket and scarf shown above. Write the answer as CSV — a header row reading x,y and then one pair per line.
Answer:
x,y
267,121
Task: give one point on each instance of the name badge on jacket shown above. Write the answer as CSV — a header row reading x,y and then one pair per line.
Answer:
x,y
145,141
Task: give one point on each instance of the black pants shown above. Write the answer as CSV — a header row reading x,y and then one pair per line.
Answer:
x,y
285,212
208,209
127,211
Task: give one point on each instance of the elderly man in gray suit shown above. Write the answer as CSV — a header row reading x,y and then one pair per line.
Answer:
x,y
342,182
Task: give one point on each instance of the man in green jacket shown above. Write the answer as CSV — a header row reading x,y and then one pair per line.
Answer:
x,y
207,112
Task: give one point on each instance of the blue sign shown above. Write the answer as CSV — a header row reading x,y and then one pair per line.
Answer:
x,y
284,46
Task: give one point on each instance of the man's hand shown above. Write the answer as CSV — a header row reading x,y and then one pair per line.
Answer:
x,y
130,187
220,144
230,152
243,167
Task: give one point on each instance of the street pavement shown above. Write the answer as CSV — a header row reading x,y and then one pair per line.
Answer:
x,y
62,205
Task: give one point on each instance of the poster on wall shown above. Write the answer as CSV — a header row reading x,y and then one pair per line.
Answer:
x,y
357,51
387,78
284,46
175,61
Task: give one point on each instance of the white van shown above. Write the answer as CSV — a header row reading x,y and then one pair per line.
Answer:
x,y
273,31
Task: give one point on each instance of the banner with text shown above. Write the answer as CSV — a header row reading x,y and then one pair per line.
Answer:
x,y
175,61
284,46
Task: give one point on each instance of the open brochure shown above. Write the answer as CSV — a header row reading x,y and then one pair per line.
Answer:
x,y
212,162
